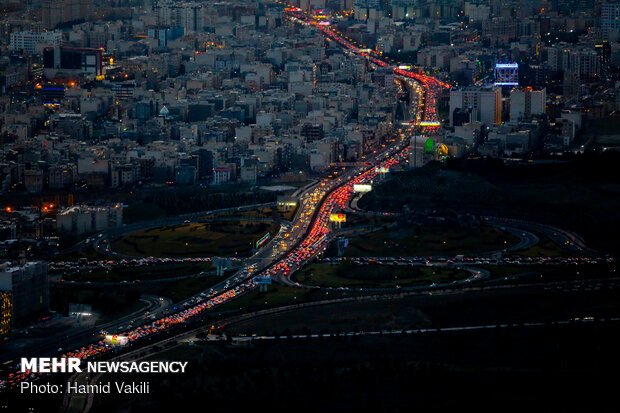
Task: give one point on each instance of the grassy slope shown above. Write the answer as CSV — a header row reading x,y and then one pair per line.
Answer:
x,y
582,195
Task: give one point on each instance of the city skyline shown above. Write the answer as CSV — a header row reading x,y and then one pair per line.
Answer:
x,y
180,180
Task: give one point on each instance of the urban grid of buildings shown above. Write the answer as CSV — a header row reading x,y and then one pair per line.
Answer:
x,y
156,93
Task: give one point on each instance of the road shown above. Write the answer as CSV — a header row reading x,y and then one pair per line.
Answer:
x,y
293,247
81,336
563,238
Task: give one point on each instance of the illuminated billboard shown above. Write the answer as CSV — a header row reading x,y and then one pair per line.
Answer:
x,y
362,188
429,145
262,280
506,74
338,218
429,123
116,340
263,239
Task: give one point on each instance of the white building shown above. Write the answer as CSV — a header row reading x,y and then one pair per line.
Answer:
x,y
81,219
526,102
28,41
221,176
477,12
189,16
485,103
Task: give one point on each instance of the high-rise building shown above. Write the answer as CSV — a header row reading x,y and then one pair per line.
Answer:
x,y
221,176
6,311
80,219
74,59
526,102
124,91
189,16
583,61
205,163
28,41
477,12
485,103
586,63
28,286
61,176
363,8
610,19
55,12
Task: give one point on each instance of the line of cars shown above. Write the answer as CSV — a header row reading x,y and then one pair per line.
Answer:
x,y
316,241
471,260
431,85
317,238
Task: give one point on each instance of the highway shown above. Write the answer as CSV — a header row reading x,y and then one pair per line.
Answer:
x,y
561,237
294,246
427,119
80,336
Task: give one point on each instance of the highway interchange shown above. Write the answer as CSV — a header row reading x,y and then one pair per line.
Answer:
x,y
297,243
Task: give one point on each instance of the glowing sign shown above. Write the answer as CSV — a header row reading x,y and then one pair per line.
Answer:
x,y
262,280
362,188
404,67
442,150
429,123
116,340
338,218
429,145
507,74
261,241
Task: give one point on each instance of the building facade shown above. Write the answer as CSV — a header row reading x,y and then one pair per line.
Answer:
x,y
28,286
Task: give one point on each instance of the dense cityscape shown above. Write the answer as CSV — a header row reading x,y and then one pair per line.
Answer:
x,y
371,205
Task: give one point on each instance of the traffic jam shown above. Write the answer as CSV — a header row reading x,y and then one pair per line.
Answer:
x,y
309,247
317,238
431,85
315,241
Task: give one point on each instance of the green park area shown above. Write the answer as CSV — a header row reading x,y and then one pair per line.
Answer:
x,y
601,133
144,272
218,238
286,213
579,192
552,273
279,295
544,248
426,241
346,274
126,299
